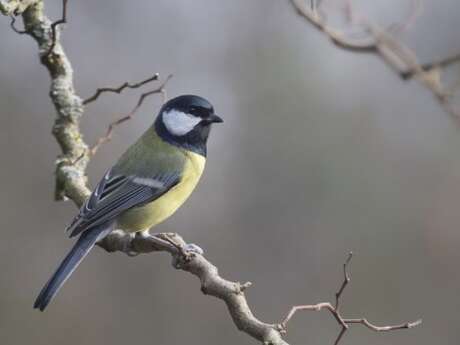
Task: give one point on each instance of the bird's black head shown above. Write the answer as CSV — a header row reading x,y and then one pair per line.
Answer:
x,y
185,121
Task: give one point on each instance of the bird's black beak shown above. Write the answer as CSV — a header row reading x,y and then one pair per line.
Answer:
x,y
214,119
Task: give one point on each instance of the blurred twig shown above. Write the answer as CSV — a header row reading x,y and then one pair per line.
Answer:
x,y
383,44
405,24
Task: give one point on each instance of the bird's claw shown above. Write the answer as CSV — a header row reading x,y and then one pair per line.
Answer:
x,y
186,250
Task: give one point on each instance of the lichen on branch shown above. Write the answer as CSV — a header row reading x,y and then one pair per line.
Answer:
x,y
71,181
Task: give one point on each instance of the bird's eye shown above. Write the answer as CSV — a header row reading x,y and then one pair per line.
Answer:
x,y
197,111
192,110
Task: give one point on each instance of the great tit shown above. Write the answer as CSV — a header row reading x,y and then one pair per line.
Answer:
x,y
150,181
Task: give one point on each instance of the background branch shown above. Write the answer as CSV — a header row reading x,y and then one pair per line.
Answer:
x,y
402,60
232,293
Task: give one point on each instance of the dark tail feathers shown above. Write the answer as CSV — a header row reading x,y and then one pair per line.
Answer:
x,y
84,244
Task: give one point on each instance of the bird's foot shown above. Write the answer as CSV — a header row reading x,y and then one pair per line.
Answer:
x,y
193,248
186,250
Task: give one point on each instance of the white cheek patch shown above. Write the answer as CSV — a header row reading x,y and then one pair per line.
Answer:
x,y
179,123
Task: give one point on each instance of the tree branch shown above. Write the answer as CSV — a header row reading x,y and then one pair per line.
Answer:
x,y
15,7
232,293
71,181
443,63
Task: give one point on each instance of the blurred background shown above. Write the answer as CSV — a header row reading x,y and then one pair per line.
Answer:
x,y
322,152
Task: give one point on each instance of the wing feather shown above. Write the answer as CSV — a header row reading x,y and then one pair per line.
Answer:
x,y
118,193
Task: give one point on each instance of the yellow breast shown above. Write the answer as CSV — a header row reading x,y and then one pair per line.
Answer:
x,y
146,217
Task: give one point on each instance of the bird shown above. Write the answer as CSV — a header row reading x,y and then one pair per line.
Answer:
x,y
149,182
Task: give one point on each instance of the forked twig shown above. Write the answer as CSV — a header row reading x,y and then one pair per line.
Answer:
x,y
108,135
334,310
125,85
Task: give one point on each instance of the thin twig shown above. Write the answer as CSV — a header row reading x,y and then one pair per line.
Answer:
x,y
335,312
120,88
108,135
373,327
339,337
346,280
13,21
54,25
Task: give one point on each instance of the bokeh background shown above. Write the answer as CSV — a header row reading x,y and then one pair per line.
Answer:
x,y
322,152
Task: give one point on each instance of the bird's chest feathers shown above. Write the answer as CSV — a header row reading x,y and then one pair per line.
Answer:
x,y
147,216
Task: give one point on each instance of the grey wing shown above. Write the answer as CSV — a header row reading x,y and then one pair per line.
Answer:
x,y
117,193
